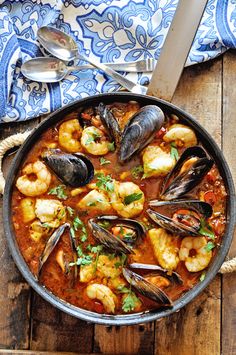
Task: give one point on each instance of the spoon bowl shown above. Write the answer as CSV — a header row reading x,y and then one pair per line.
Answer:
x,y
57,43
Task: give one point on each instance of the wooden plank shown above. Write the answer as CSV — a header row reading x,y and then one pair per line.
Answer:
x,y
53,330
14,291
29,352
196,328
138,339
229,144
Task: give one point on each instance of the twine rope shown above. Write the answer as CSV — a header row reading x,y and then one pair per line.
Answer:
x,y
19,138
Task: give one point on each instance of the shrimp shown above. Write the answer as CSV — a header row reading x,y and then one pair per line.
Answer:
x,y
94,141
181,134
127,199
51,212
34,187
69,135
201,258
156,162
103,294
165,248
95,201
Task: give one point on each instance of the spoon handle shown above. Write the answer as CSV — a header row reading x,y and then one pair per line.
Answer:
x,y
126,83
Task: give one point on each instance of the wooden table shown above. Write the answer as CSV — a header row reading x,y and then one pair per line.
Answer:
x,y
207,326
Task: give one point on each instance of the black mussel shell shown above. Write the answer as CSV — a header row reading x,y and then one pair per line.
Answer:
x,y
146,288
138,228
107,239
110,123
74,170
140,130
177,184
158,270
50,245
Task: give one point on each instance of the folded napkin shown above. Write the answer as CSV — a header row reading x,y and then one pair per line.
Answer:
x,y
108,30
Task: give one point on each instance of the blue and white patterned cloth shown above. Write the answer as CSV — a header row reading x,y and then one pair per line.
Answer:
x,y
108,30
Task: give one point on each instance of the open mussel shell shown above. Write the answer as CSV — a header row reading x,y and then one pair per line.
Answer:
x,y
203,209
140,130
146,288
110,123
50,245
198,206
178,184
158,270
74,170
107,239
135,226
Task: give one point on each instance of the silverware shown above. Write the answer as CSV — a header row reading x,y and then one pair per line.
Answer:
x,y
176,48
51,70
64,47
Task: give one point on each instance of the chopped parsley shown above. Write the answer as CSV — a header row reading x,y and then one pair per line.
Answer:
x,y
77,224
105,182
210,246
111,146
122,261
96,249
83,259
104,161
70,210
136,171
132,197
104,224
130,301
203,276
59,191
206,229
174,151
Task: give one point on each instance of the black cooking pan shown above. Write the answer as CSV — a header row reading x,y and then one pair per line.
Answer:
x,y
207,142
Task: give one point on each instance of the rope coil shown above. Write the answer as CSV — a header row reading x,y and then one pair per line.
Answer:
x,y
19,138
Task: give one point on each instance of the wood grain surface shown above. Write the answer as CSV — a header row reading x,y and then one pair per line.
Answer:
x,y
206,326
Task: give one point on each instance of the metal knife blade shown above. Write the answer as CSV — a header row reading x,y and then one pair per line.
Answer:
x,y
176,48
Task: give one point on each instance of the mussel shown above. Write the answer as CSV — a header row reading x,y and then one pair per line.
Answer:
x,y
185,216
154,270
140,130
107,239
188,172
110,123
50,245
74,170
146,288
133,238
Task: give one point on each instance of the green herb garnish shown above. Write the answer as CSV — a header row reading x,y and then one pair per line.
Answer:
x,y
105,182
59,191
206,229
130,300
83,259
111,146
174,151
132,197
210,246
94,136
104,161
70,210
104,224
136,171
202,277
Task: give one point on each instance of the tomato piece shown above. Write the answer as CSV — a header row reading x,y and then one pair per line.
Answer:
x,y
98,307
210,197
161,132
211,177
86,116
187,217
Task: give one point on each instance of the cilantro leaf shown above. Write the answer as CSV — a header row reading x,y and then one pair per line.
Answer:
x,y
96,249
93,137
136,171
129,302
70,210
104,161
132,197
59,191
210,246
174,151
77,223
104,224
105,182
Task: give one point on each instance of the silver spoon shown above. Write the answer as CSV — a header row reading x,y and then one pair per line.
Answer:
x,y
64,47
52,70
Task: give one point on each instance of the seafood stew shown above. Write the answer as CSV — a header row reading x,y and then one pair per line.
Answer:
x,y
119,230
